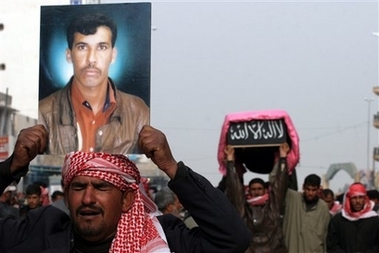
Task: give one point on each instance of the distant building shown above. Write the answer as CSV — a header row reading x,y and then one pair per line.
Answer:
x,y
11,123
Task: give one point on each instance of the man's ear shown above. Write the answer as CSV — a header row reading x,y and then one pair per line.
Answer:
x,y
169,208
68,55
127,200
114,54
66,197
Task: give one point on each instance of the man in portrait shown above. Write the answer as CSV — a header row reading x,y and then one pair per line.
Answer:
x,y
90,113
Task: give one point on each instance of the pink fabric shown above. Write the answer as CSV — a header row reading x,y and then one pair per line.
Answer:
x,y
336,208
258,201
292,157
45,196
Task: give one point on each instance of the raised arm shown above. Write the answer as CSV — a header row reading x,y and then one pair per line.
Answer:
x,y
220,227
279,183
30,142
234,187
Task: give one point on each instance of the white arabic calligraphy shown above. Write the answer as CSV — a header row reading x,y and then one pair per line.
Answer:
x,y
269,129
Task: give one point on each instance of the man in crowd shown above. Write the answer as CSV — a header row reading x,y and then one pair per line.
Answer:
x,y
6,208
89,113
168,202
261,211
60,203
356,227
374,196
109,210
334,206
56,196
306,218
33,198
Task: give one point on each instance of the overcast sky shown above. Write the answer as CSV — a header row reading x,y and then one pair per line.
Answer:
x,y
317,60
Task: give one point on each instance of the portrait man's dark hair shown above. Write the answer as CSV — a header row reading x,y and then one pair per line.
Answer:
x,y
87,24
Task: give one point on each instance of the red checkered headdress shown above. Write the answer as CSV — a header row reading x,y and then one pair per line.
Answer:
x,y
357,189
137,229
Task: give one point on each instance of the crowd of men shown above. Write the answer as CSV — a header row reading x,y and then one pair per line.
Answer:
x,y
104,208
18,204
280,219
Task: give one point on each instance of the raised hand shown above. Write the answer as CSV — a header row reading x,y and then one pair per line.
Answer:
x,y
284,149
30,142
154,145
229,152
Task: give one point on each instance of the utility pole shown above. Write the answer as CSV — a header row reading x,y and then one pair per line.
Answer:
x,y
368,100
3,114
373,167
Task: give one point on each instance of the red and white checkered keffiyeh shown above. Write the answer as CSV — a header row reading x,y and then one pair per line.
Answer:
x,y
257,201
336,208
138,229
357,189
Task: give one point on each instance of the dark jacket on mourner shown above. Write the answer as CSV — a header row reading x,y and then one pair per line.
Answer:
x,y
361,235
264,222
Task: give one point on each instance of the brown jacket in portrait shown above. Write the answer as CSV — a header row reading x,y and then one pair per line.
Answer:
x,y
119,135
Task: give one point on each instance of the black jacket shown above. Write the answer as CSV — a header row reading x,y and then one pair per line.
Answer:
x,y
264,222
353,236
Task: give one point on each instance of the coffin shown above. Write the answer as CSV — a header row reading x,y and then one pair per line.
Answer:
x,y
256,137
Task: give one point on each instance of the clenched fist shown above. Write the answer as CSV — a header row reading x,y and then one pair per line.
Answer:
x,y
30,142
154,145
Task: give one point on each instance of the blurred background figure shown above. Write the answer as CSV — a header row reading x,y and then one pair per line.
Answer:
x,y
149,190
257,192
6,208
260,207
57,195
334,206
373,195
33,198
58,200
20,198
168,202
306,218
356,227
45,198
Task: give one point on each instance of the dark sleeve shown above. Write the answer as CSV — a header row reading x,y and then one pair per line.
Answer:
x,y
279,186
222,184
34,233
292,184
333,236
220,227
234,189
5,174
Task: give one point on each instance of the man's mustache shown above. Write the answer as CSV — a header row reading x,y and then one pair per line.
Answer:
x,y
89,208
91,67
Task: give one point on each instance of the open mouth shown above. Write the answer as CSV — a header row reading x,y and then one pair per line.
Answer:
x,y
89,213
85,213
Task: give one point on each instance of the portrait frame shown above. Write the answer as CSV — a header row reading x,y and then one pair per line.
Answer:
x,y
131,69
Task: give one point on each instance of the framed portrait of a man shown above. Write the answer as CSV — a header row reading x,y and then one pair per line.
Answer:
x,y
94,76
